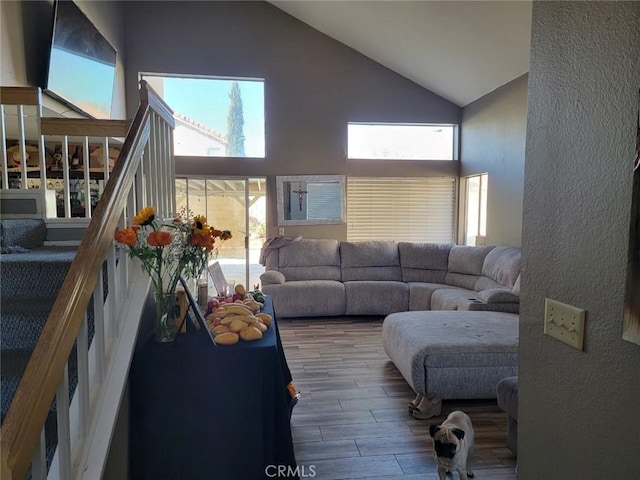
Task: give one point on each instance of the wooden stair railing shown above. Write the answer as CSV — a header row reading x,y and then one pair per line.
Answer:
x,y
141,176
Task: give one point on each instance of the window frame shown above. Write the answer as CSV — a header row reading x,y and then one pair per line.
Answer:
x,y
480,233
154,75
454,147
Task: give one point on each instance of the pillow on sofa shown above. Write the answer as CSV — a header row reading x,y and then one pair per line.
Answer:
x,y
498,295
272,277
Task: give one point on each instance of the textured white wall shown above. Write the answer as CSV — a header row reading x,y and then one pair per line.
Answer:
x,y
579,414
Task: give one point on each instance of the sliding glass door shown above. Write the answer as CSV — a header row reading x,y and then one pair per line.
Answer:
x,y
236,204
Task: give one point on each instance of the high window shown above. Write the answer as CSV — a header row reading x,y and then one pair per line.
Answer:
x,y
403,209
215,117
381,141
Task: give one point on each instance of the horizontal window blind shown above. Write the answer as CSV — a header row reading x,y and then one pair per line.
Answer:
x,y
403,209
323,200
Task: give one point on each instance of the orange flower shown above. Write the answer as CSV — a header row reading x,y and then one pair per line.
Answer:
x,y
159,239
198,240
202,240
126,236
226,235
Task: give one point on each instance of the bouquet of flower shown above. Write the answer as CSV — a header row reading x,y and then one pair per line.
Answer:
x,y
171,248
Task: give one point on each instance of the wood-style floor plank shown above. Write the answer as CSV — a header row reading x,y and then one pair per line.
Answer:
x,y
352,420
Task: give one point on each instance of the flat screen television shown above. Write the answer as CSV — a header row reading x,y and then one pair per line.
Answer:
x,y
82,63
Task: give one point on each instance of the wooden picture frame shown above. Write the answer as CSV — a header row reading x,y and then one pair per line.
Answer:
x,y
191,309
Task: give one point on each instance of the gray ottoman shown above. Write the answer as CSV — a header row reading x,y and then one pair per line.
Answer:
x,y
448,354
507,393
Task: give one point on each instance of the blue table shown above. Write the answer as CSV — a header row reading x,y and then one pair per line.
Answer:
x,y
200,411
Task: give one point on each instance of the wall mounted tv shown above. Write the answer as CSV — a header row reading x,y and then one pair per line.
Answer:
x,y
82,63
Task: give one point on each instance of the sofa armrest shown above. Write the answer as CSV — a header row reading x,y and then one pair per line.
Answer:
x,y
473,304
272,277
498,295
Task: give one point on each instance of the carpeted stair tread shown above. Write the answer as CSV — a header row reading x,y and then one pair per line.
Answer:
x,y
14,362
31,275
21,322
34,275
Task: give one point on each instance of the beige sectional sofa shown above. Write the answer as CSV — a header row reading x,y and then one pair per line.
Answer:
x,y
324,277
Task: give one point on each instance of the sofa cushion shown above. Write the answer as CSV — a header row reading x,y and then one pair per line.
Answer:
x,y
502,264
498,295
468,260
516,286
475,305
465,266
373,260
309,298
507,393
376,297
448,298
272,277
310,259
420,294
423,262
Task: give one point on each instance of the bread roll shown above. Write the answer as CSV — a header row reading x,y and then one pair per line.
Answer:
x,y
228,338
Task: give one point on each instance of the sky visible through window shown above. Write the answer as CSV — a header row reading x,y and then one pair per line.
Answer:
x,y
206,101
401,142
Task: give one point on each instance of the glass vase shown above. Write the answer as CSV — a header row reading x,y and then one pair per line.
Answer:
x,y
165,327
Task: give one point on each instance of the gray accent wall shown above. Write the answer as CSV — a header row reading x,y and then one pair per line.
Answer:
x,y
314,85
579,411
493,142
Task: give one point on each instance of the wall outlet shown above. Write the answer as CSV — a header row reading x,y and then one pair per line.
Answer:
x,y
564,322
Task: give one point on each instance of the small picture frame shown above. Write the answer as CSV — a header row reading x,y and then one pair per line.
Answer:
x,y
192,308
219,281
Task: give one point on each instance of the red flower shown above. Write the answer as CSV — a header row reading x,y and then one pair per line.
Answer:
x,y
159,239
126,236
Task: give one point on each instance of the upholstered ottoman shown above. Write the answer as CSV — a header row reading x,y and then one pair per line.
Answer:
x,y
507,393
448,354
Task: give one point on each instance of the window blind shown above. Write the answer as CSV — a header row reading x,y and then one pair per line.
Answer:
x,y
403,209
323,200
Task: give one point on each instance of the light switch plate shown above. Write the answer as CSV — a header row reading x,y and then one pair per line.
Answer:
x,y
564,322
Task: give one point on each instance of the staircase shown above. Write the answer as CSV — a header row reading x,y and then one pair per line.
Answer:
x,y
69,317
32,275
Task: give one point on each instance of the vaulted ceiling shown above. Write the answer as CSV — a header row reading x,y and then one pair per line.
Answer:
x,y
460,50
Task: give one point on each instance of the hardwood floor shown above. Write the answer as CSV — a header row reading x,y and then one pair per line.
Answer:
x,y
352,420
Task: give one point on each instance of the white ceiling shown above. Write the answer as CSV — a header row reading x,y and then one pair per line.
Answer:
x,y
458,50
